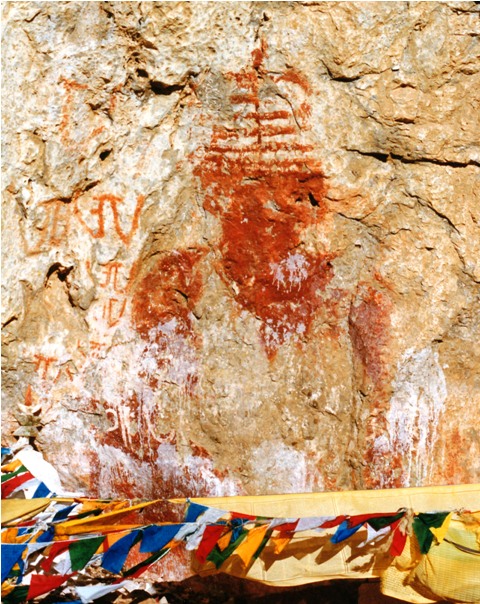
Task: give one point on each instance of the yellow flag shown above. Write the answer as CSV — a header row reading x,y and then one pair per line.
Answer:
x,y
250,544
441,531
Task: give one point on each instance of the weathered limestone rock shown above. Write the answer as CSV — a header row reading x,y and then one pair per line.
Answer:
x,y
241,244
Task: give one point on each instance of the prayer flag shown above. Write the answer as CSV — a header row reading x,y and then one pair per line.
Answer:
x,y
114,558
344,531
17,595
194,510
14,483
210,537
156,538
42,584
89,593
11,554
398,540
82,550
440,532
421,527
56,549
249,546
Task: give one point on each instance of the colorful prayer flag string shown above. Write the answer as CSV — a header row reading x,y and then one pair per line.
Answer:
x,y
47,543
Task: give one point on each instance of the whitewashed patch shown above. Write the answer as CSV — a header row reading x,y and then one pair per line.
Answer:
x,y
416,407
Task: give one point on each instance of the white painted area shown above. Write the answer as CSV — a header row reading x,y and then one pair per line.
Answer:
x,y
279,468
416,407
117,467
178,355
289,274
198,471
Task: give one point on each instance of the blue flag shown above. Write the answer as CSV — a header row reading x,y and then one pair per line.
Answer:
x,y
344,532
11,554
156,537
193,511
114,558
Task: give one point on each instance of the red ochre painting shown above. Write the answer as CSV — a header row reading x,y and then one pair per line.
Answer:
x,y
265,185
261,178
162,312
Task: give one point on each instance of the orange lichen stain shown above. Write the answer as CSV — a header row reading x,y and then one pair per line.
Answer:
x,y
382,469
322,471
177,566
456,449
266,191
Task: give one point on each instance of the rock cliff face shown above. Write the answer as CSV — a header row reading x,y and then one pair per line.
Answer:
x,y
241,244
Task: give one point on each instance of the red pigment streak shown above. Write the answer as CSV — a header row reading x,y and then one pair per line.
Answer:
x,y
454,448
264,203
163,304
380,470
254,149
268,130
369,326
270,116
296,78
188,479
169,291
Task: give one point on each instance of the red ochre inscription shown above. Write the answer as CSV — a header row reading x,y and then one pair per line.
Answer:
x,y
266,187
53,228
99,230
67,124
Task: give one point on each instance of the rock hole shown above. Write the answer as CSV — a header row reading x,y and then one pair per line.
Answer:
x,y
31,440
11,320
313,201
61,271
104,154
142,73
380,156
162,88
91,185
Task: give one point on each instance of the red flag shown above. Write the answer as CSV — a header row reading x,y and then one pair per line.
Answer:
x,y
335,522
55,550
10,485
210,537
240,516
42,584
286,527
362,518
399,540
